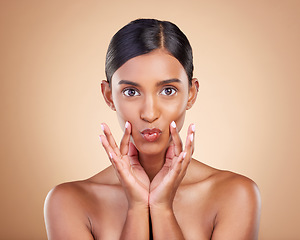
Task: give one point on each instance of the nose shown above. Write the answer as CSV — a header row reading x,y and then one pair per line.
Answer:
x,y
150,109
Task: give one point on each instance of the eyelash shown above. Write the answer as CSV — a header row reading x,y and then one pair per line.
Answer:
x,y
137,93
128,89
174,91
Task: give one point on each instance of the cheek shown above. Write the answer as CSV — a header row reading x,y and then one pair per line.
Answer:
x,y
177,116
126,112
175,111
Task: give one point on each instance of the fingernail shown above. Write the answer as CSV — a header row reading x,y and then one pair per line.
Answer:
x,y
173,124
110,155
193,127
100,139
102,127
184,154
126,124
191,137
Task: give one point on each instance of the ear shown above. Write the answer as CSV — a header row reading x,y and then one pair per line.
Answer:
x,y
193,92
107,94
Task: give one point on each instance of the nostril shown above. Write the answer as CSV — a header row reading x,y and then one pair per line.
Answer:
x,y
149,116
149,111
149,119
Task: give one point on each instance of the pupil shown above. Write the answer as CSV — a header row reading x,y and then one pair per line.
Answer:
x,y
131,92
168,91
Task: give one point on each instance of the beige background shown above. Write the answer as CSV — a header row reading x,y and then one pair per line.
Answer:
x,y
247,114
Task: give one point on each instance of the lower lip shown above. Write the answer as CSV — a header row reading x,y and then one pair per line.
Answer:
x,y
151,137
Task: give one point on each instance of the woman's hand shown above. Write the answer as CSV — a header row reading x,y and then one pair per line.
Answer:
x,y
127,166
165,184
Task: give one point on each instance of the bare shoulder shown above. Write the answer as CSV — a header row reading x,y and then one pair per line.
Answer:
x,y
65,192
65,214
239,206
232,189
224,184
68,206
236,202
81,192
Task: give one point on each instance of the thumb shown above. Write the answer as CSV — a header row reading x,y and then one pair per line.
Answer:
x,y
124,145
132,150
170,151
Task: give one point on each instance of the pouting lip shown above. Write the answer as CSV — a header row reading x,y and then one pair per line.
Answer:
x,y
151,131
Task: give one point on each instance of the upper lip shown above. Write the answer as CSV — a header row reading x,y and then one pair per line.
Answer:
x,y
151,131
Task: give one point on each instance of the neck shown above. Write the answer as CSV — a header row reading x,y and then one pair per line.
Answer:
x,y
152,163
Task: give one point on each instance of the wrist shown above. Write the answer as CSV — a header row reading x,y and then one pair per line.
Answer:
x,y
138,208
161,210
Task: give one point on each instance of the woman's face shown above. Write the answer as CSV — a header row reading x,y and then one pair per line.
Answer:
x,y
150,91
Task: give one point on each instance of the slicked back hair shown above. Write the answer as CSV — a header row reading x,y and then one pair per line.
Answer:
x,y
142,36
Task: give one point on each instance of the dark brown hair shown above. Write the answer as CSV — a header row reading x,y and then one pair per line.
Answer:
x,y
142,36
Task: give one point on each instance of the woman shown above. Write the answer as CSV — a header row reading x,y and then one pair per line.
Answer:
x,y
153,189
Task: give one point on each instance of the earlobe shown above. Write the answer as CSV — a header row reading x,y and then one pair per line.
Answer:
x,y
107,94
193,92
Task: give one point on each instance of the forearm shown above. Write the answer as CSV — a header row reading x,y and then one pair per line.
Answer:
x,y
136,226
165,225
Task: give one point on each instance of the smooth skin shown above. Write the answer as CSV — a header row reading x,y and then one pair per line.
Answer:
x,y
153,189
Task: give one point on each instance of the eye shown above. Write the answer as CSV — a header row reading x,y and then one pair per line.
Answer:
x,y
130,92
169,91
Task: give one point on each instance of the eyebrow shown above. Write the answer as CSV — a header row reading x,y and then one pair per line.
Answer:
x,y
129,83
173,80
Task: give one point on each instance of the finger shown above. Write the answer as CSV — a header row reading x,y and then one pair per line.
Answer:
x,y
110,138
122,168
190,137
170,155
107,147
176,139
177,167
124,145
132,150
109,152
133,155
189,146
134,158
193,129
119,166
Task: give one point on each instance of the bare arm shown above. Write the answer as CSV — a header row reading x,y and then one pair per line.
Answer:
x,y
165,225
136,225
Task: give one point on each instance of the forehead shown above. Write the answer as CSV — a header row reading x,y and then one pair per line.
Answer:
x,y
155,66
